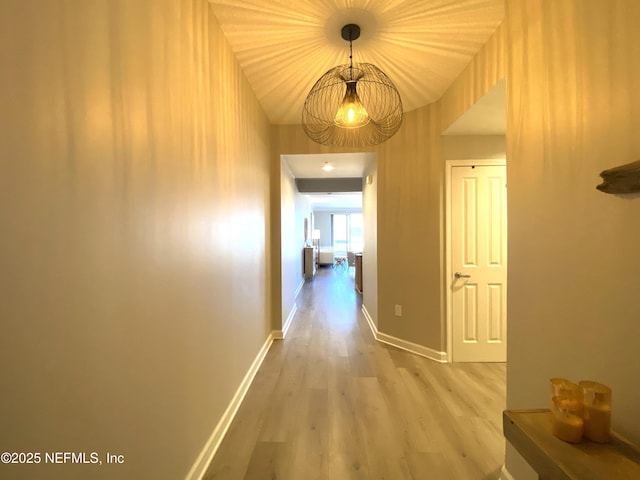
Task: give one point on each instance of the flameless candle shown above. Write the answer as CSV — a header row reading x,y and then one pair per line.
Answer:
x,y
597,411
570,393
567,422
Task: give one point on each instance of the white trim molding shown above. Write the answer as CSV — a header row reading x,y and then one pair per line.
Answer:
x,y
280,334
440,357
369,320
505,475
213,443
431,354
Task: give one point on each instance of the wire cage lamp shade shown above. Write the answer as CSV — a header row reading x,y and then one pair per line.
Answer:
x,y
353,105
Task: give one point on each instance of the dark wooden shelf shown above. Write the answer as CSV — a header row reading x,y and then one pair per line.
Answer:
x,y
529,431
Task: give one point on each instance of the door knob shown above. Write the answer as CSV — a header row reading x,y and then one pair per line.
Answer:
x,y
460,275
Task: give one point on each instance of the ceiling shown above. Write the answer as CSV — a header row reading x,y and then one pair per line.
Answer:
x,y
335,202
284,46
486,117
346,165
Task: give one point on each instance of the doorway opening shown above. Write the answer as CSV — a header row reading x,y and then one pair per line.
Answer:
x,y
475,224
340,210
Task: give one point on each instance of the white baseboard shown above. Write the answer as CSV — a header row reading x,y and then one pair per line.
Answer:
x,y
504,474
440,357
280,334
372,325
213,443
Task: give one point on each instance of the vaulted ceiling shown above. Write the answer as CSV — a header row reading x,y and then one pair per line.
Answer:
x,y
284,46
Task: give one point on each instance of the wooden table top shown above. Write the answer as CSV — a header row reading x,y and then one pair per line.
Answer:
x,y
529,431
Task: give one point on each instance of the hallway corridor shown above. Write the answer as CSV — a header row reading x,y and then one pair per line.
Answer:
x,y
331,403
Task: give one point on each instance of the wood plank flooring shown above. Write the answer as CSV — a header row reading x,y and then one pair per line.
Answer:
x,y
331,403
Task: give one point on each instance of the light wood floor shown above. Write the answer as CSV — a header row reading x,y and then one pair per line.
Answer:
x,y
329,402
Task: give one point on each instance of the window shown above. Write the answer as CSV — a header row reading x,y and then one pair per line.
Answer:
x,y
346,230
356,238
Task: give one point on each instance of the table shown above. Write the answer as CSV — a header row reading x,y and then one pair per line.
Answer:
x,y
358,279
529,431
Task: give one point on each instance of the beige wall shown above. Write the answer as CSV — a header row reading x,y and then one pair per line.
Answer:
x,y
322,221
134,206
485,70
294,209
370,250
409,233
573,110
460,147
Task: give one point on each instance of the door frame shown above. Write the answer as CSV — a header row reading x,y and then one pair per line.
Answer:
x,y
448,272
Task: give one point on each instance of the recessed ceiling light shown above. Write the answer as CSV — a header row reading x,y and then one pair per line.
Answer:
x,y
327,167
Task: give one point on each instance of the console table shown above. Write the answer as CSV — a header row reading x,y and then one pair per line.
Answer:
x,y
309,262
529,431
358,279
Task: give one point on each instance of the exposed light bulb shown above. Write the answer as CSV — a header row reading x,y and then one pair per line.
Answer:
x,y
327,167
351,113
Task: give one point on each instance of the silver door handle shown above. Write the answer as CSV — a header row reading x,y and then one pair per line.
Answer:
x,y
460,275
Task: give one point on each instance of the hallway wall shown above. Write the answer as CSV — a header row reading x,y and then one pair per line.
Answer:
x,y
460,147
135,221
573,111
294,208
409,234
370,251
322,221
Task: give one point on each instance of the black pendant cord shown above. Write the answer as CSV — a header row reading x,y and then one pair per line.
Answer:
x,y
350,33
350,59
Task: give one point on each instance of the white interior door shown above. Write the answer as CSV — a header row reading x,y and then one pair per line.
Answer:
x,y
479,263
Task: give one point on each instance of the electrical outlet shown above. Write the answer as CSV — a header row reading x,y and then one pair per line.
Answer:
x,y
398,310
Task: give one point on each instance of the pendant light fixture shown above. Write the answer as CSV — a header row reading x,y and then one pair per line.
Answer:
x,y
354,105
